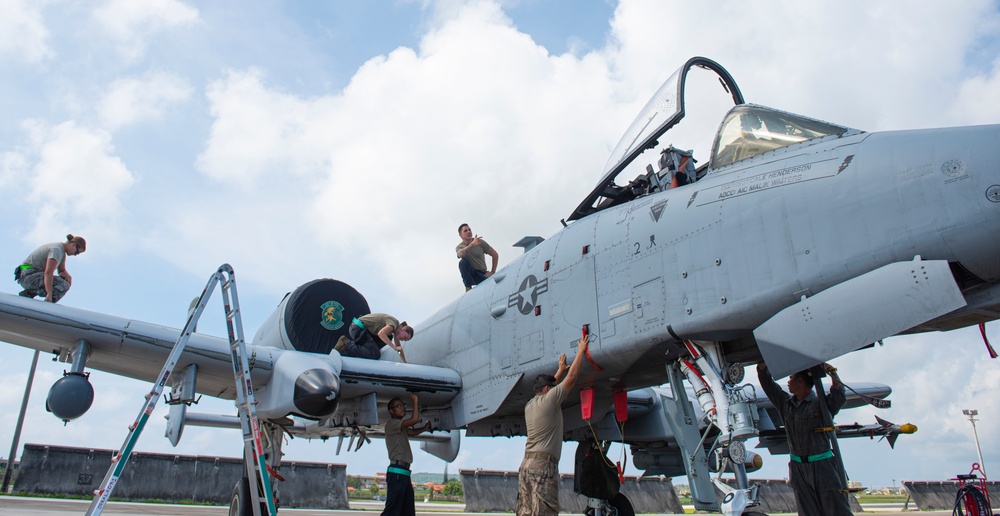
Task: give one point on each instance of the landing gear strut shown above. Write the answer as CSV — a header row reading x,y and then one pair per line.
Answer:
x,y
728,409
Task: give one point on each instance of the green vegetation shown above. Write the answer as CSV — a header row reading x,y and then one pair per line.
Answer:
x,y
66,496
52,495
364,489
880,498
356,482
453,488
423,478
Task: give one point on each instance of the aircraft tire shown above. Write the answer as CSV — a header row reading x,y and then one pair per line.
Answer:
x,y
622,505
240,504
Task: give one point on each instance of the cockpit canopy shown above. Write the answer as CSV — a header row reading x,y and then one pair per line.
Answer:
x,y
750,130
747,131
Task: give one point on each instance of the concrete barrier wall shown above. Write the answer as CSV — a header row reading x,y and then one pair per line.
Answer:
x,y
489,491
496,491
940,496
774,495
172,478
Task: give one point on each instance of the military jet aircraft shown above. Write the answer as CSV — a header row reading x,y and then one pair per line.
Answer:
x,y
795,242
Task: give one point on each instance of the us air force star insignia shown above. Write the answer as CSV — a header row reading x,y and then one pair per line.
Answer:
x,y
332,315
529,284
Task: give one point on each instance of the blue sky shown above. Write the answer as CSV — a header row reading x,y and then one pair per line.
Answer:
x,y
298,140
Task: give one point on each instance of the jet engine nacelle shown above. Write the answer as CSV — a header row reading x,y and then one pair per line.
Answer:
x,y
70,397
303,384
312,317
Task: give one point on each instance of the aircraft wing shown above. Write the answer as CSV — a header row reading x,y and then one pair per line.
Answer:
x,y
286,381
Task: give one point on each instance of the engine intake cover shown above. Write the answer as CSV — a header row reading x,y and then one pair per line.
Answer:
x,y
312,317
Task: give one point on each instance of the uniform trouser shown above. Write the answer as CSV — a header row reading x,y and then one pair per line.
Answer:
x,y
361,344
471,276
398,495
537,488
33,280
818,488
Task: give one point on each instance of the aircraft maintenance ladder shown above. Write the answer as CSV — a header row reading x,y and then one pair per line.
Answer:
x,y
253,456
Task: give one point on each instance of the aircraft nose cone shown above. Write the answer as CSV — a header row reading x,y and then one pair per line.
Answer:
x,y
317,393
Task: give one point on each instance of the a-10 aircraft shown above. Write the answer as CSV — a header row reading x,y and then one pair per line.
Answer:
x,y
795,242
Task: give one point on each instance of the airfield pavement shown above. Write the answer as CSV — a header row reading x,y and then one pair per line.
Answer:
x,y
24,506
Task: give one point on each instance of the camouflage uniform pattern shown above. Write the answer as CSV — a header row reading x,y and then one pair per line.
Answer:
x,y
33,280
537,488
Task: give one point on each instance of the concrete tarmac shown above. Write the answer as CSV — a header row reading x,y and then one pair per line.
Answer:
x,y
24,506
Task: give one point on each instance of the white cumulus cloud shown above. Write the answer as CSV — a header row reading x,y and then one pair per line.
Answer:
x,y
131,24
73,179
23,35
132,100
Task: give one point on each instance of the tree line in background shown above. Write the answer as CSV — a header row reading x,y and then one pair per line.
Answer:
x,y
369,487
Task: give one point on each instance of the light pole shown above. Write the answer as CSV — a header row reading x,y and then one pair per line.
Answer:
x,y
20,421
972,413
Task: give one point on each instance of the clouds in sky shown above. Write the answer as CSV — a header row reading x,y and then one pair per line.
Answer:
x,y
136,99
131,25
74,175
25,37
177,136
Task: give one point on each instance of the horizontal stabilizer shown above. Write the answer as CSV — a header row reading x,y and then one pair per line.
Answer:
x,y
857,312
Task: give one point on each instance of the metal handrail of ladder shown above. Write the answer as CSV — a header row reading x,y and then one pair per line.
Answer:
x,y
253,451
